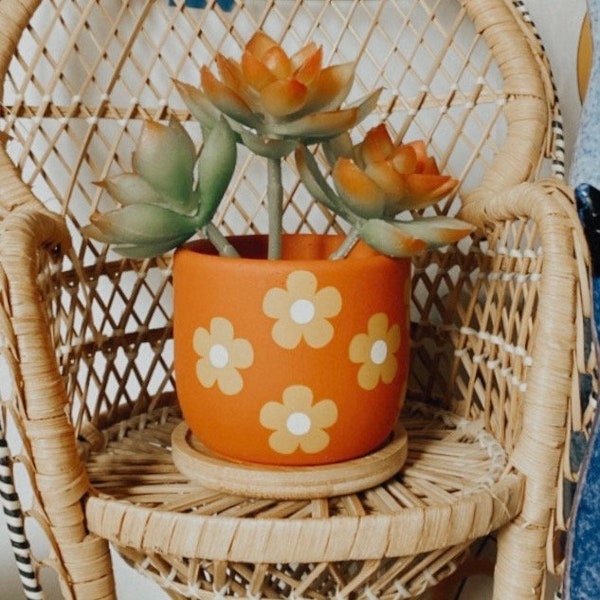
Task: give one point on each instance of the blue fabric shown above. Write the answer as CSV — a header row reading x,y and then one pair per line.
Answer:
x,y
582,577
224,4
582,572
582,581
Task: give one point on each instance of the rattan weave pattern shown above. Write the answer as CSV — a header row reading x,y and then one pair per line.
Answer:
x,y
499,324
390,524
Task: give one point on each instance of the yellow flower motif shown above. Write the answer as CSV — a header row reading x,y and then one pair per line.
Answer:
x,y
221,355
375,351
297,423
302,311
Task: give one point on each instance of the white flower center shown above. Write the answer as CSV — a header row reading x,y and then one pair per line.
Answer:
x,y
302,311
298,423
218,356
379,352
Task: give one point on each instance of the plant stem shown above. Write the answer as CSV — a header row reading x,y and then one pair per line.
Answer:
x,y
274,207
346,246
219,241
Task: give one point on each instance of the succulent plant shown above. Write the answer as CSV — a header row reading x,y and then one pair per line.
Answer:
x,y
171,192
377,180
274,100
276,104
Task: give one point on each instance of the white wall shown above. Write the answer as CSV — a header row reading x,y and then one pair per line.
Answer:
x,y
559,23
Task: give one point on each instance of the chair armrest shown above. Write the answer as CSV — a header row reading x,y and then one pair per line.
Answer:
x,y
561,358
31,238
564,295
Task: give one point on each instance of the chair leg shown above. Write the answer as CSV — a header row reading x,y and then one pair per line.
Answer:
x,y
521,562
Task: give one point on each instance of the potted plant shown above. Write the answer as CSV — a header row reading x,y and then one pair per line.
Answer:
x,y
289,349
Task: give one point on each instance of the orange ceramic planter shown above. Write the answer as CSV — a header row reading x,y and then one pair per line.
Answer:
x,y
299,361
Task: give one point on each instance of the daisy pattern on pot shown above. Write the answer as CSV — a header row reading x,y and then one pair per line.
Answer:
x,y
221,356
302,311
297,422
375,352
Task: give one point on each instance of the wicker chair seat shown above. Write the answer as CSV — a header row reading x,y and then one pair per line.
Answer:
x,y
400,537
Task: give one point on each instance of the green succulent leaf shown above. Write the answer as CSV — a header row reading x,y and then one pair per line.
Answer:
x,y
215,169
436,231
267,147
165,157
319,126
130,188
314,127
227,100
200,107
91,231
390,239
140,224
314,181
140,251
339,146
367,104
408,238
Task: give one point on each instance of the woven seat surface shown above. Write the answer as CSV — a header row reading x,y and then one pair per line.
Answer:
x,y
499,322
453,488
450,460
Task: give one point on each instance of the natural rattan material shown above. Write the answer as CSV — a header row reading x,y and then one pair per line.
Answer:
x,y
499,323
410,514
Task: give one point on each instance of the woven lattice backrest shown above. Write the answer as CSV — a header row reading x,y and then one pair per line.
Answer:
x,y
85,75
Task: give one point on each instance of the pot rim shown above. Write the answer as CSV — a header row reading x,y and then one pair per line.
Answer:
x,y
312,248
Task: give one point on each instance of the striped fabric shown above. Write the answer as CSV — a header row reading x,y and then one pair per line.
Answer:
x,y
16,527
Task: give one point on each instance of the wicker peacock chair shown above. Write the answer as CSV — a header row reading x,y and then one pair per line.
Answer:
x,y
87,396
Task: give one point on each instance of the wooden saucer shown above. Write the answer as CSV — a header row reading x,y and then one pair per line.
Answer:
x,y
198,463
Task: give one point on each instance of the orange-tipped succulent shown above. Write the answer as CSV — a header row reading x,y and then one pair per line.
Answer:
x,y
384,179
275,100
375,181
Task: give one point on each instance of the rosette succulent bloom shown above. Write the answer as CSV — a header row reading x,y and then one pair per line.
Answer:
x,y
382,179
171,192
275,100
375,181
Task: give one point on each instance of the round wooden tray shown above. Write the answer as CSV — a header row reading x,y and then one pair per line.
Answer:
x,y
198,463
